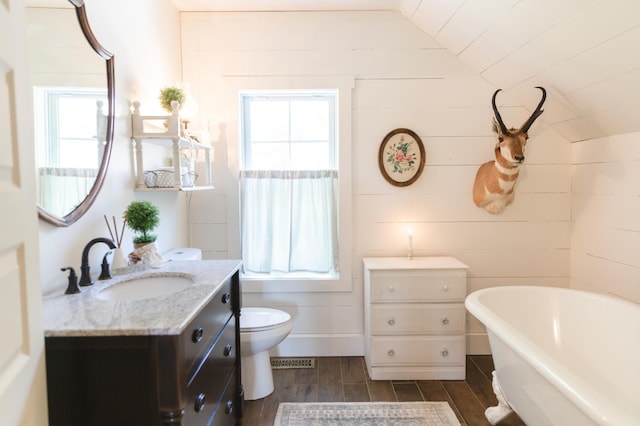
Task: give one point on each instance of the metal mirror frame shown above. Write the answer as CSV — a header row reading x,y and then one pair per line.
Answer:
x,y
82,208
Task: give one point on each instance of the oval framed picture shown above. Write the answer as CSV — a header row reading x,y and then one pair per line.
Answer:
x,y
401,157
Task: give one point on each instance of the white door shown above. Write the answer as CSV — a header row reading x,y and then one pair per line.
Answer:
x,y
23,393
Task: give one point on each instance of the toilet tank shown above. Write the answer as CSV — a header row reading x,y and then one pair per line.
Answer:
x,y
184,253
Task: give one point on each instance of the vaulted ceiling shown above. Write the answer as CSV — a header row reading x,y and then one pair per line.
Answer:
x,y
584,52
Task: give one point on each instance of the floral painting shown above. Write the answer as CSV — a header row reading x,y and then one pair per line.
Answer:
x,y
401,157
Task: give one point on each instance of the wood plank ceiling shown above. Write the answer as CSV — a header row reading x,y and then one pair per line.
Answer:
x,y
584,52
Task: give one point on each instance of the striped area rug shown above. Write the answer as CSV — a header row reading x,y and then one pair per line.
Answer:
x,y
365,414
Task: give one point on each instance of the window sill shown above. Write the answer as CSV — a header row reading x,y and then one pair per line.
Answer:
x,y
294,283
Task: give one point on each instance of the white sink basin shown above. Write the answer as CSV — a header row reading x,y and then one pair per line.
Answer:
x,y
145,288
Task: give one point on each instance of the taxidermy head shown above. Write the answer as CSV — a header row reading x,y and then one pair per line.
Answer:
x,y
495,181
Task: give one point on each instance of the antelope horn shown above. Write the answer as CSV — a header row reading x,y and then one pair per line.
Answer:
x,y
497,116
537,113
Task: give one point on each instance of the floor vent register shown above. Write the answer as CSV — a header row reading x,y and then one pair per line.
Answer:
x,y
283,363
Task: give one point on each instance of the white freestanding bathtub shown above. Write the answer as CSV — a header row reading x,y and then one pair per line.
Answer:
x,y
562,357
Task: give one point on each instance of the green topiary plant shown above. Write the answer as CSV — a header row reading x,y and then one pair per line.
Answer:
x,y
142,217
171,93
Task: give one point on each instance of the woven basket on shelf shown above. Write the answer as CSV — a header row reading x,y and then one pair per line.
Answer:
x,y
163,178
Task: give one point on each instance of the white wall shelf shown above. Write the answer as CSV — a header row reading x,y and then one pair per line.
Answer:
x,y
167,131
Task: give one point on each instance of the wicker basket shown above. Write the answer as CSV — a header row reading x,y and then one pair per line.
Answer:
x,y
163,178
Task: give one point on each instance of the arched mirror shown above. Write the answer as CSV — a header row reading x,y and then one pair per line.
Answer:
x,y
72,77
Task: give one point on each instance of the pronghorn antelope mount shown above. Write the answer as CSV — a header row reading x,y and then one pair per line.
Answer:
x,y
495,181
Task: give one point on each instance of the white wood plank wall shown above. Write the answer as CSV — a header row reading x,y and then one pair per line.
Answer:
x,y
404,78
605,242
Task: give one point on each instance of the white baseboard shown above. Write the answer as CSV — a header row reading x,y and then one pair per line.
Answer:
x,y
478,344
300,345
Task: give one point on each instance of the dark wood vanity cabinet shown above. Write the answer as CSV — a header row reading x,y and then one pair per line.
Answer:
x,y
193,378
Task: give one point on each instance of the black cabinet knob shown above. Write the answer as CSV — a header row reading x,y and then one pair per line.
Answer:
x,y
228,408
199,404
227,350
197,334
225,298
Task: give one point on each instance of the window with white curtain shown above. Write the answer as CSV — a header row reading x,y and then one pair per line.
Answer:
x,y
289,187
69,144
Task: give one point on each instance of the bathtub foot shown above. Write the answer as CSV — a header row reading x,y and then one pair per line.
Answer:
x,y
500,411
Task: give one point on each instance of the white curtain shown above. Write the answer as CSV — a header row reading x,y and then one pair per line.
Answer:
x,y
289,221
63,188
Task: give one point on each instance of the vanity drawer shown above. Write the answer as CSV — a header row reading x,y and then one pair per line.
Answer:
x,y
211,378
409,288
225,414
436,350
417,319
200,333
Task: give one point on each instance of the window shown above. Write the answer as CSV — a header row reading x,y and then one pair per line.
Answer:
x,y
289,188
67,127
69,130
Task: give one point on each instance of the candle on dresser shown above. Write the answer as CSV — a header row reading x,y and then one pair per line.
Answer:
x,y
410,237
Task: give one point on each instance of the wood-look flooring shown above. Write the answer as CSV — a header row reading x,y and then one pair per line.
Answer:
x,y
345,379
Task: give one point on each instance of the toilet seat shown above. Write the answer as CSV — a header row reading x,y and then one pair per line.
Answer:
x,y
261,319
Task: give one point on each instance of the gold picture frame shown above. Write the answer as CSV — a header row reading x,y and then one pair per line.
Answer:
x,y
401,157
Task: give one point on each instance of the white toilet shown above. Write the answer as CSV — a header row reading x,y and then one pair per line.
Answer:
x,y
260,330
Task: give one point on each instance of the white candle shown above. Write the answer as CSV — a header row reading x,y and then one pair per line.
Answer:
x,y
410,239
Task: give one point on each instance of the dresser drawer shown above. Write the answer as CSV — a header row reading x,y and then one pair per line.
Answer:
x,y
412,287
225,414
209,382
418,350
205,327
417,319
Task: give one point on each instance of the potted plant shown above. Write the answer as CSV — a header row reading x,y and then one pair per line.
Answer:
x,y
142,217
171,93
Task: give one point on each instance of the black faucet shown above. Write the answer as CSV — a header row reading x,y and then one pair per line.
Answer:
x,y
72,287
85,276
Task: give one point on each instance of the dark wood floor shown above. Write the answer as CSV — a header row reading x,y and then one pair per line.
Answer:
x,y
345,379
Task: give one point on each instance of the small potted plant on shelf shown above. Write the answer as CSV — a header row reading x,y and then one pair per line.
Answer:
x,y
142,217
169,94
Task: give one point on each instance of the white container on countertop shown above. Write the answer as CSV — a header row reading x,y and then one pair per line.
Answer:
x,y
184,253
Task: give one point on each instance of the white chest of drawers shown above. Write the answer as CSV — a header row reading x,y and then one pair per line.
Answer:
x,y
415,318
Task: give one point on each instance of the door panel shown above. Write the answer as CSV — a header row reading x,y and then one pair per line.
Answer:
x,y
22,374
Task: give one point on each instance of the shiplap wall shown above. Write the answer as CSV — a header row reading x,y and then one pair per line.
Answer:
x,y
403,78
580,50
605,240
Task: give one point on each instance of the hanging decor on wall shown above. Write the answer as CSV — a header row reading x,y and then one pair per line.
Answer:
x,y
494,186
401,157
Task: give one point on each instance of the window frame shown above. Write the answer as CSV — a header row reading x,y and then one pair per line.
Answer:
x,y
47,101
289,95
235,87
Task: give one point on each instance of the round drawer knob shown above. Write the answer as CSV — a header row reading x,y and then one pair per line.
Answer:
x,y
445,287
444,352
197,334
392,321
225,298
445,321
391,289
227,350
228,407
391,352
198,405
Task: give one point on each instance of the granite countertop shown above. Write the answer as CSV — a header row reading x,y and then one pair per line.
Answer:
x,y
84,314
